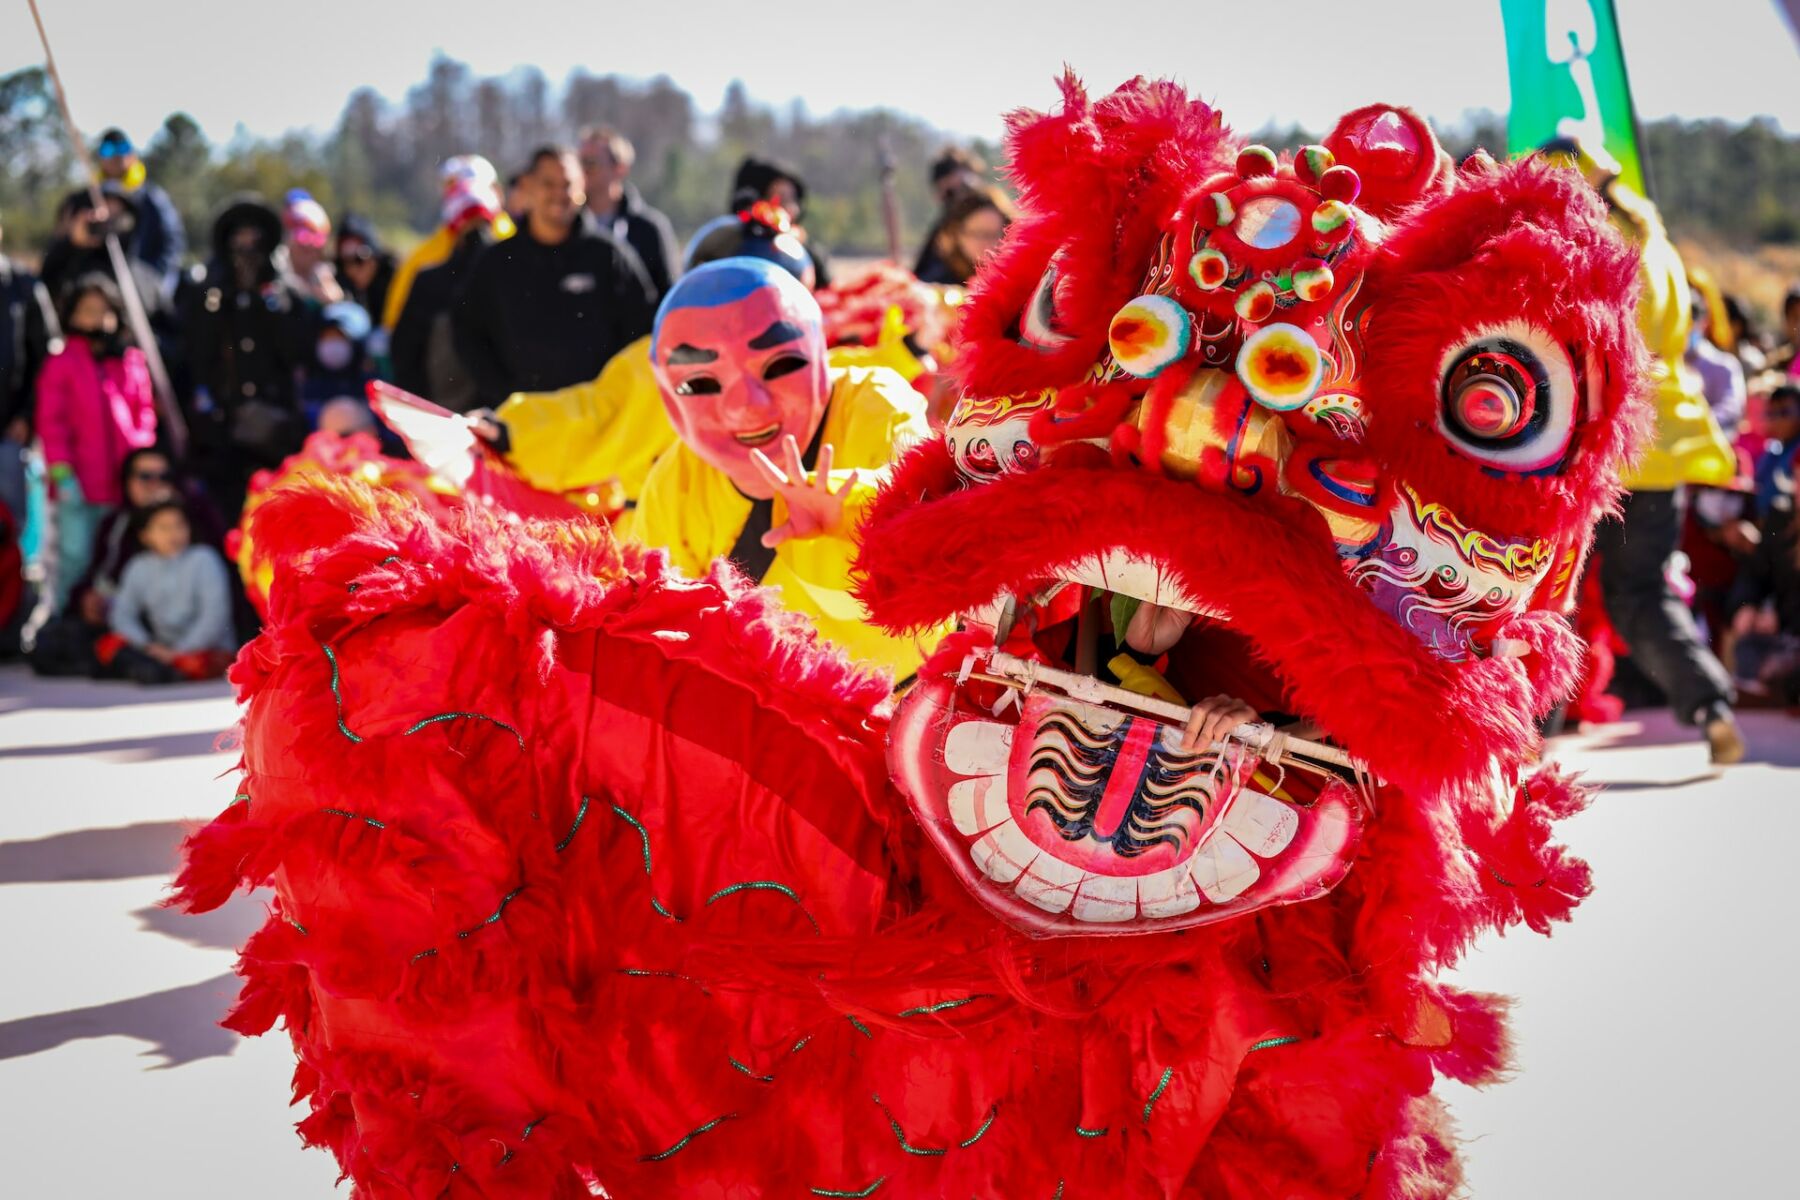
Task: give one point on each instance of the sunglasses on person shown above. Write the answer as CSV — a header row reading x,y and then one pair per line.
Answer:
x,y
113,149
359,254
139,476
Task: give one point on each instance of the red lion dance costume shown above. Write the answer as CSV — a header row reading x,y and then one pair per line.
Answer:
x,y
593,879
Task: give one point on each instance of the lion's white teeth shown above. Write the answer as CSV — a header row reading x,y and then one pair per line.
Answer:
x,y
1003,852
1223,869
1049,883
977,804
1168,893
1262,823
1105,898
978,748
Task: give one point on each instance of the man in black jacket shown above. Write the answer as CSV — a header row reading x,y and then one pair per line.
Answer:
x,y
249,333
606,159
551,305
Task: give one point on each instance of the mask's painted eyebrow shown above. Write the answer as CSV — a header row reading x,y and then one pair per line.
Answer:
x,y
777,334
686,355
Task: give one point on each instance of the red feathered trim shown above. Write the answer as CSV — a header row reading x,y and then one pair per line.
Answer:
x,y
588,873
1526,876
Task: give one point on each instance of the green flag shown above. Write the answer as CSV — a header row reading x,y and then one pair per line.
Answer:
x,y
1568,80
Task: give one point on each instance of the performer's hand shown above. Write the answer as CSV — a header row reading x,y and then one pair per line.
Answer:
x,y
488,428
1154,628
1212,720
813,508
160,653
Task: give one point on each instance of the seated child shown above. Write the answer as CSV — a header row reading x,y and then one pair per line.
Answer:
x,y
171,618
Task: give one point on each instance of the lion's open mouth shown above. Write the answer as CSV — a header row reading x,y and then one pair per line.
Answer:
x,y
1068,817
1068,809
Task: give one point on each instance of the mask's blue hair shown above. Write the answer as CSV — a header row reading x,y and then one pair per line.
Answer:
x,y
726,282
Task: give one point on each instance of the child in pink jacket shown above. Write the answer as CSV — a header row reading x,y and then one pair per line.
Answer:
x,y
94,406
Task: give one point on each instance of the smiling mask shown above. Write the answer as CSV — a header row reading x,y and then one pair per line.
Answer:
x,y
739,355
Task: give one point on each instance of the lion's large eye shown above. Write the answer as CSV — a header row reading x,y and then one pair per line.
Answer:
x,y
1508,401
1038,323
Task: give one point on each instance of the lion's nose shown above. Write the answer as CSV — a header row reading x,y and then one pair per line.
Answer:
x,y
1208,429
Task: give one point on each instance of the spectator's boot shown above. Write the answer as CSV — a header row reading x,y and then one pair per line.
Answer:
x,y
1723,736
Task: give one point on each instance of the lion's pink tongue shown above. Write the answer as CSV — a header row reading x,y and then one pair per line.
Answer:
x,y
1122,785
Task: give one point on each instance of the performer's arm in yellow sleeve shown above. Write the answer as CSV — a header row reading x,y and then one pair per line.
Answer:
x,y
613,427
666,512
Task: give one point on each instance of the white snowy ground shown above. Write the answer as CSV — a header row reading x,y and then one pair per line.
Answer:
x,y
1658,1036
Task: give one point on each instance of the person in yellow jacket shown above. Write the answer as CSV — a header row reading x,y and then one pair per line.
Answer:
x,y
779,454
614,426
463,174
1688,448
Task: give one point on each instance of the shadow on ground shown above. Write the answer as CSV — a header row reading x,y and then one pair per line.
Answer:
x,y
181,1024
225,928
20,690
138,749
122,852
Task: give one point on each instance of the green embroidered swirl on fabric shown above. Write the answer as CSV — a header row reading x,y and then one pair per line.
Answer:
x,y
580,816
644,834
338,812
1091,1133
337,693
927,1151
764,885
1271,1043
1161,1086
474,929
746,1070
464,716
678,1147
857,1195
941,1006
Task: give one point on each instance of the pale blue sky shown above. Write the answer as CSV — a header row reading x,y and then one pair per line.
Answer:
x,y
277,66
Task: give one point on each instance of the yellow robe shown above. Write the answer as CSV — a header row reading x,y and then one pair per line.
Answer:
x,y
431,252
693,511
1689,446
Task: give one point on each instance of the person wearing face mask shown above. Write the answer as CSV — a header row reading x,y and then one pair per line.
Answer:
x,y
779,453
95,406
612,427
339,364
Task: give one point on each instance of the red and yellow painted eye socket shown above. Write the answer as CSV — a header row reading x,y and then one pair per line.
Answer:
x,y
1281,367
1149,334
